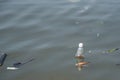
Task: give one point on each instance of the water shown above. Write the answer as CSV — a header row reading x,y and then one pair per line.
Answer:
x,y
50,30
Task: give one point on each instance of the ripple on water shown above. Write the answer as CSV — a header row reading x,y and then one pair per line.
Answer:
x,y
50,31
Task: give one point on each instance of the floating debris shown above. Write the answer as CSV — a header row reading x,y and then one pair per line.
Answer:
x,y
80,57
2,58
12,68
79,54
112,50
18,64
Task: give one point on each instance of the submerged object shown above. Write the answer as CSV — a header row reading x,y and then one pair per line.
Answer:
x,y
12,68
79,54
112,50
18,64
81,64
2,58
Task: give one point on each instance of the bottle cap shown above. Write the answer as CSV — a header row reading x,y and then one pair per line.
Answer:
x,y
80,44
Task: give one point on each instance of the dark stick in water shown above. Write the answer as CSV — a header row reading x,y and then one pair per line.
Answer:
x,y
2,58
18,64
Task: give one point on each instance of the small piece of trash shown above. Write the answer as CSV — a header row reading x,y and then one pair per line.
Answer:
x,y
79,52
2,58
112,50
80,63
12,68
18,64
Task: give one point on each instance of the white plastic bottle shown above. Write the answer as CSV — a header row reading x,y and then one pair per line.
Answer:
x,y
79,53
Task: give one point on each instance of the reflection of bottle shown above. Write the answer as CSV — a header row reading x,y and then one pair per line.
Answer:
x,y
79,54
80,65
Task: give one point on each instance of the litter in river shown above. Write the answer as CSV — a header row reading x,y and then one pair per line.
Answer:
x,y
18,64
79,54
80,58
2,58
112,50
12,68
80,63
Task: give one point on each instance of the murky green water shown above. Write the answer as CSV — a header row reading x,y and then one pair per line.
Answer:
x,y
50,30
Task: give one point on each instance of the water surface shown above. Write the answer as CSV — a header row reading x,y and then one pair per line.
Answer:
x,y
50,30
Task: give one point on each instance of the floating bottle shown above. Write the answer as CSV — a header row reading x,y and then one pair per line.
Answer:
x,y
79,54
